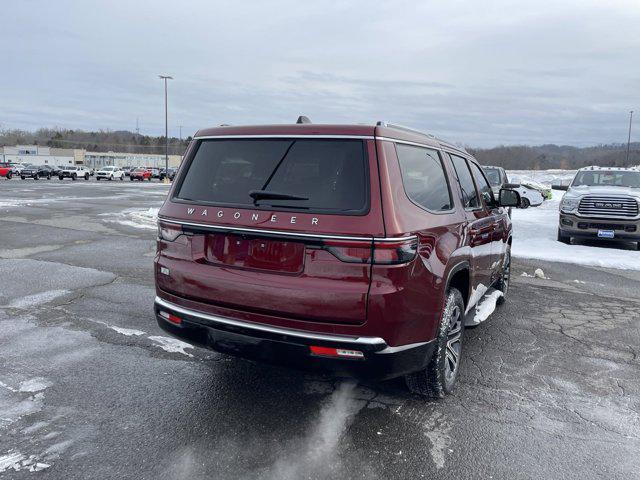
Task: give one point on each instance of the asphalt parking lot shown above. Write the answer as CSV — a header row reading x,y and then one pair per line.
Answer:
x,y
90,387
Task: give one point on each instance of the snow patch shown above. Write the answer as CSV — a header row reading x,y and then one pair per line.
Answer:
x,y
37,299
34,385
485,308
127,331
144,218
17,461
172,345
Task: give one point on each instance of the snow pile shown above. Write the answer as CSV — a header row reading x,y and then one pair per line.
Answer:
x,y
145,218
535,237
545,177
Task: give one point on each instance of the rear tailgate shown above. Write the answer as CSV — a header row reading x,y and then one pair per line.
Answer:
x,y
302,259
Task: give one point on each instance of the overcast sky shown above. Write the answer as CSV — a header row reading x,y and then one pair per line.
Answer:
x,y
477,73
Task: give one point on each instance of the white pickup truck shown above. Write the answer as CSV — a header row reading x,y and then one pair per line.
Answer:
x,y
110,173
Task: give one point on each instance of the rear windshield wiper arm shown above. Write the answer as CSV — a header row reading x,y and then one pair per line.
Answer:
x,y
267,194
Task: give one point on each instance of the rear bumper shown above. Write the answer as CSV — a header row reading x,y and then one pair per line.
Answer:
x,y
290,348
582,227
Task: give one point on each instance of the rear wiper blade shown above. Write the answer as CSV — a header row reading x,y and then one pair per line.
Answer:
x,y
267,194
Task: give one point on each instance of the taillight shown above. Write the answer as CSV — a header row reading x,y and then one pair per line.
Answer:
x,y
349,251
376,252
393,252
168,231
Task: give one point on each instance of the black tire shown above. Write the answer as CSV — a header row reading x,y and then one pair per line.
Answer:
x,y
121,178
9,175
525,203
505,278
60,177
439,377
111,178
86,176
22,177
131,178
48,176
36,176
97,179
74,177
563,238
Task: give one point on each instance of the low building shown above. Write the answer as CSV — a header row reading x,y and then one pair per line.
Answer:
x,y
100,159
39,155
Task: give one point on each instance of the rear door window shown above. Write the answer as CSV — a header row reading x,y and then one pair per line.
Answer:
x,y
469,194
320,176
423,177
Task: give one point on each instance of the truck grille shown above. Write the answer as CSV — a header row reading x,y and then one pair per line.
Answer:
x,y
608,207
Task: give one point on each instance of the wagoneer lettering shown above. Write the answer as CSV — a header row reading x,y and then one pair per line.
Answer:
x,y
321,253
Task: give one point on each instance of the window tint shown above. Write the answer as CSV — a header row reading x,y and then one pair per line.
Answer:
x,y
481,182
319,175
469,195
423,177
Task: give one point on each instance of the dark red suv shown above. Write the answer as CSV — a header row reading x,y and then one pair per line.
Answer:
x,y
355,249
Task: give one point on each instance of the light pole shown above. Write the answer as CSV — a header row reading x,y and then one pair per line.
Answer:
x,y
629,137
166,129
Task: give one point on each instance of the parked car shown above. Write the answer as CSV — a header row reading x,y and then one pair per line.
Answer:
x,y
6,170
110,173
127,170
73,172
361,250
529,196
16,168
171,175
497,178
36,172
140,174
601,203
155,172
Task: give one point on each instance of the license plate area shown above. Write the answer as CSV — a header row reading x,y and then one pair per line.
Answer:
x,y
606,234
281,256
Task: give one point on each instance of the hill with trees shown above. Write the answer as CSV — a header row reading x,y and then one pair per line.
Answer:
x,y
101,141
544,157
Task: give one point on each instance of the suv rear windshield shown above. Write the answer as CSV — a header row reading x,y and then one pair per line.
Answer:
x,y
312,175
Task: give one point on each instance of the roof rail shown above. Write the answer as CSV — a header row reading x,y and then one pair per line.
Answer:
x,y
381,123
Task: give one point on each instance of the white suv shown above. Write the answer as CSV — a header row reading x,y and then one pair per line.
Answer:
x,y
110,173
73,172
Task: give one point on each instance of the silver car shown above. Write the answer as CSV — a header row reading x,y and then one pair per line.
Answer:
x,y
601,203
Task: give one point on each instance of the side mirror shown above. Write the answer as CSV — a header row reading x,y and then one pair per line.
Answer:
x,y
560,187
509,198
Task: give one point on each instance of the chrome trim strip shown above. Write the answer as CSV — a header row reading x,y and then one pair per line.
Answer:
x,y
277,330
240,136
285,233
406,142
402,347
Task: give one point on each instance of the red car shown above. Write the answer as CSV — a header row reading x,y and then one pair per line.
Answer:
x,y
6,170
354,249
140,174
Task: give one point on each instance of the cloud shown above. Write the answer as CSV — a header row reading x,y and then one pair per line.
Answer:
x,y
478,73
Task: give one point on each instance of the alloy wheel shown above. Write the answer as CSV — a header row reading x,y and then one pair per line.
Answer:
x,y
454,344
